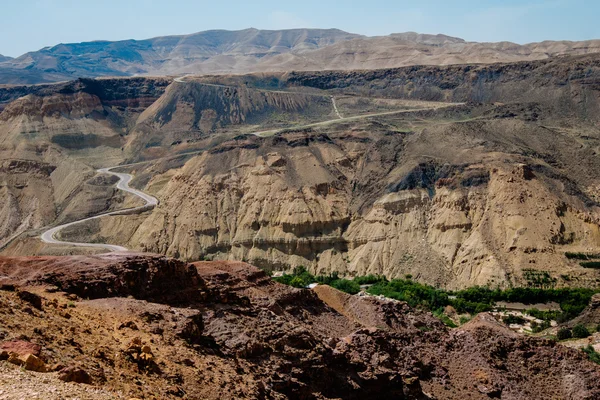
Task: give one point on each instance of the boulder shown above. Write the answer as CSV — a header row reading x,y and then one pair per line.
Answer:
x,y
20,348
74,374
29,362
31,298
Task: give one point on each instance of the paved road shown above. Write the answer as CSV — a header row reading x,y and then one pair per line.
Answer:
x,y
123,184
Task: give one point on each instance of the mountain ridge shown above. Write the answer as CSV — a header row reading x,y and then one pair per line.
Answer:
x,y
255,50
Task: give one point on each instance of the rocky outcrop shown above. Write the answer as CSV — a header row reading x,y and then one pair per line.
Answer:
x,y
261,339
154,278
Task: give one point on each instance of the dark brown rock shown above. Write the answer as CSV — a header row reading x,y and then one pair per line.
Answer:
x,y
31,298
74,374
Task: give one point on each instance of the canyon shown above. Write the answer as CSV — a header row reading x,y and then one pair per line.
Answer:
x,y
300,214
455,175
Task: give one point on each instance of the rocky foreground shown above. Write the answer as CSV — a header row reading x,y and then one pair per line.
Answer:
x,y
145,326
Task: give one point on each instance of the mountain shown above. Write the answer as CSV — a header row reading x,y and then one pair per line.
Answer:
x,y
4,58
209,51
253,50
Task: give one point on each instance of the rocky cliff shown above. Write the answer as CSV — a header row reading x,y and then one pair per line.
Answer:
x,y
52,137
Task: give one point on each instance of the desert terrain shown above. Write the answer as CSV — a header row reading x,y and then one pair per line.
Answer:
x,y
366,224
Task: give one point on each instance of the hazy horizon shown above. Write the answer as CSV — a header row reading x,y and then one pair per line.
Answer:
x,y
31,25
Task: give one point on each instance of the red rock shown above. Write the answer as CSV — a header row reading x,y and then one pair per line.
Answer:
x,y
20,348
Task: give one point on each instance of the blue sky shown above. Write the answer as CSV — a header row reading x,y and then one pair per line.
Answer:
x,y
27,25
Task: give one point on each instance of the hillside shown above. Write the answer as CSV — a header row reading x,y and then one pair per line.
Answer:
x,y
253,50
4,58
144,326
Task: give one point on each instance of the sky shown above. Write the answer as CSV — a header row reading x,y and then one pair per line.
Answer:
x,y
29,25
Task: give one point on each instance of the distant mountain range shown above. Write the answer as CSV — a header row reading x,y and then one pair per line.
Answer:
x,y
253,50
4,58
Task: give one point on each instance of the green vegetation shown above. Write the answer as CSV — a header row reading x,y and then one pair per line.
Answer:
x,y
301,278
513,319
479,299
585,257
581,256
536,328
414,293
544,315
439,313
580,332
564,334
369,279
539,279
468,301
590,264
592,354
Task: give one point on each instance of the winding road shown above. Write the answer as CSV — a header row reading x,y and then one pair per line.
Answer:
x,y
151,201
123,184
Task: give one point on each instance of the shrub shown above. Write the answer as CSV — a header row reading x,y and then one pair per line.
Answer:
x,y
543,315
369,279
590,264
593,355
536,328
564,334
580,332
297,282
444,318
464,319
513,319
581,256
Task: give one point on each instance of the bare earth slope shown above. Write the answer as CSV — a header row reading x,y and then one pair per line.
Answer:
x,y
253,50
146,326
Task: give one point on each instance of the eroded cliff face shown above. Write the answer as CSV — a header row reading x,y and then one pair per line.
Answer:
x,y
189,111
51,139
468,194
370,201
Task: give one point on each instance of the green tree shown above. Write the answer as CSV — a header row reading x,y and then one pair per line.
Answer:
x,y
347,286
564,334
580,331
